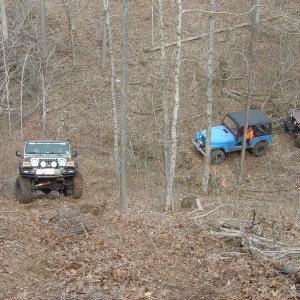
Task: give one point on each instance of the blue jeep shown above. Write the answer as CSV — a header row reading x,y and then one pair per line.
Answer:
x,y
228,136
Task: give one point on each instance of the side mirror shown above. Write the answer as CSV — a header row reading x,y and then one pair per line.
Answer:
x,y
74,152
19,153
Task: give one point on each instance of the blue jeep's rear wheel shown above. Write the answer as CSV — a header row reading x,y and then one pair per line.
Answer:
x,y
260,148
217,156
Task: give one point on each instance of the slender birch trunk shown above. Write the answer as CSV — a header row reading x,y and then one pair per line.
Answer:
x,y
112,90
254,23
169,199
124,108
209,95
165,104
3,20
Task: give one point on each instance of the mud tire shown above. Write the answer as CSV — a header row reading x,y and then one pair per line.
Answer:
x,y
217,156
297,141
23,190
76,187
260,148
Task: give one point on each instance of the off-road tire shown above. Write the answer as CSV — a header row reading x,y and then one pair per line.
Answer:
x,y
68,191
260,148
297,141
23,190
76,188
217,156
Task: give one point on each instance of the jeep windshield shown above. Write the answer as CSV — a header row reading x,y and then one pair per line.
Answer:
x,y
47,148
230,124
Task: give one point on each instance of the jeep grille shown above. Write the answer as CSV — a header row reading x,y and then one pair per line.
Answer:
x,y
48,161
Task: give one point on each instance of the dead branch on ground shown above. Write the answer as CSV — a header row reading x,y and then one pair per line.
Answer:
x,y
265,249
198,37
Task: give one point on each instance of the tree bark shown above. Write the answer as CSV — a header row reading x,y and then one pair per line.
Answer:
x,y
169,199
6,72
209,95
165,104
3,20
44,42
104,41
112,91
254,22
124,108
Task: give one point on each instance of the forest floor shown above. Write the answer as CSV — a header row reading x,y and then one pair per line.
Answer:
x,y
59,248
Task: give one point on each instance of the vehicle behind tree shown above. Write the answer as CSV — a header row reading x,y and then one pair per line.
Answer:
x,y
292,125
47,166
228,136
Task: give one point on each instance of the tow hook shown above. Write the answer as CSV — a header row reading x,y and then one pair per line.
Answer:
x,y
45,183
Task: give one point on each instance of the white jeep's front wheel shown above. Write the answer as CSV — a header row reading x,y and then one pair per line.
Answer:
x,y
23,190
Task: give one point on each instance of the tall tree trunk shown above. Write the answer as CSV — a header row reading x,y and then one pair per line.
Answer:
x,y
124,108
254,19
21,96
165,104
169,199
44,43
209,95
6,72
104,41
112,90
3,20
72,14
44,104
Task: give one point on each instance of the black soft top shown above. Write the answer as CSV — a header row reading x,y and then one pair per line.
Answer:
x,y
256,117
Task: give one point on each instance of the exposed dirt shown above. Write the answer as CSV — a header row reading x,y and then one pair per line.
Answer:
x,y
60,248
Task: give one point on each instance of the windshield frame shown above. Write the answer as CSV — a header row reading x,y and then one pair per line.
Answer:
x,y
228,123
45,148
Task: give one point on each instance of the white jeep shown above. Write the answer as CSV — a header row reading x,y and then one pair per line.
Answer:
x,y
47,166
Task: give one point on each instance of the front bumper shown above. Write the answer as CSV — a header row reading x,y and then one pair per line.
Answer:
x,y
47,172
199,146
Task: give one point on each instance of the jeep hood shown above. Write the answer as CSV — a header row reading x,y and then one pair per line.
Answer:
x,y
219,135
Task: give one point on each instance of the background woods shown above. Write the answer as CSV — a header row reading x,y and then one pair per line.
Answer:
x,y
133,102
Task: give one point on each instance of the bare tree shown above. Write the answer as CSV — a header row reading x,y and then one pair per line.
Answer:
x,y
165,103
254,21
44,42
104,40
169,199
107,28
21,96
124,109
209,95
71,13
44,103
3,20
6,72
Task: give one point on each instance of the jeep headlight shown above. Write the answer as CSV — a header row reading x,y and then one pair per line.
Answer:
x,y
53,164
43,164
62,162
34,162
70,163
